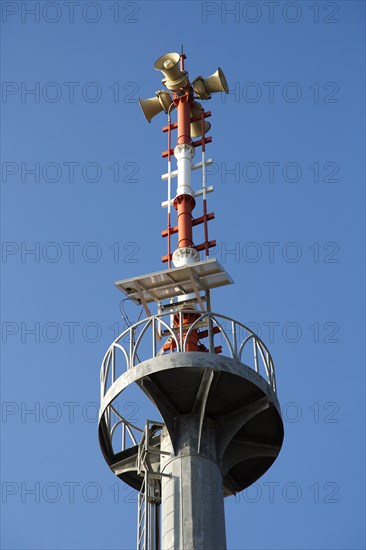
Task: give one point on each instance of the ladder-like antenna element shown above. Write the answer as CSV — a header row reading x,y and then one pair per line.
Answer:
x,y
221,425
191,123
185,203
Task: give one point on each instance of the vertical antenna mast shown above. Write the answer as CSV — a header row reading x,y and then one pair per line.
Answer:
x,y
220,427
190,124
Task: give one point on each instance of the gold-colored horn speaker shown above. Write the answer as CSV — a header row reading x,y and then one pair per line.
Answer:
x,y
154,105
204,87
196,126
168,64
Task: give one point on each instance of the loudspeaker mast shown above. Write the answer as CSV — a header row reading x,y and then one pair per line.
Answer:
x,y
220,425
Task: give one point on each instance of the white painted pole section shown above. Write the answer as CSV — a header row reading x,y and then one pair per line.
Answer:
x,y
184,154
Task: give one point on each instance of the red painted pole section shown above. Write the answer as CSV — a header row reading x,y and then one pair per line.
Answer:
x,y
184,205
184,115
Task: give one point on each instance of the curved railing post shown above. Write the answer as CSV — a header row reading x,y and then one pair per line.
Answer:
x,y
255,355
131,332
235,344
113,364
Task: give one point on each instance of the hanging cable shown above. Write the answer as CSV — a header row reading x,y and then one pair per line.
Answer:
x,y
127,321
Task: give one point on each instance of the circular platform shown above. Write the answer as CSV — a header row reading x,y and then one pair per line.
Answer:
x,y
238,401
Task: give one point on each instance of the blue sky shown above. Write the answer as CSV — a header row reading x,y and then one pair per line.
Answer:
x,y
291,211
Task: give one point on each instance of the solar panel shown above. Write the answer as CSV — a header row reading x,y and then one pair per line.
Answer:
x,y
173,282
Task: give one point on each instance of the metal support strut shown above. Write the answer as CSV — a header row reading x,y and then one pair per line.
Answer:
x,y
149,499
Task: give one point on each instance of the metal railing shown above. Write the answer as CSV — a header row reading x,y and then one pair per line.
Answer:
x,y
144,340
114,421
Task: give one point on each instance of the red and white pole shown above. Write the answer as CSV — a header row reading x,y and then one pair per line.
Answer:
x,y
184,201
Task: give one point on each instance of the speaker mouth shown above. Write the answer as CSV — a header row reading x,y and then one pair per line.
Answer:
x,y
142,103
172,56
223,80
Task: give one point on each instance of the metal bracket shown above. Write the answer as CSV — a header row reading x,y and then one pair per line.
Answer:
x,y
201,401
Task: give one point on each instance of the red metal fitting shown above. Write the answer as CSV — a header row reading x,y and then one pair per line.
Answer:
x,y
184,116
184,205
